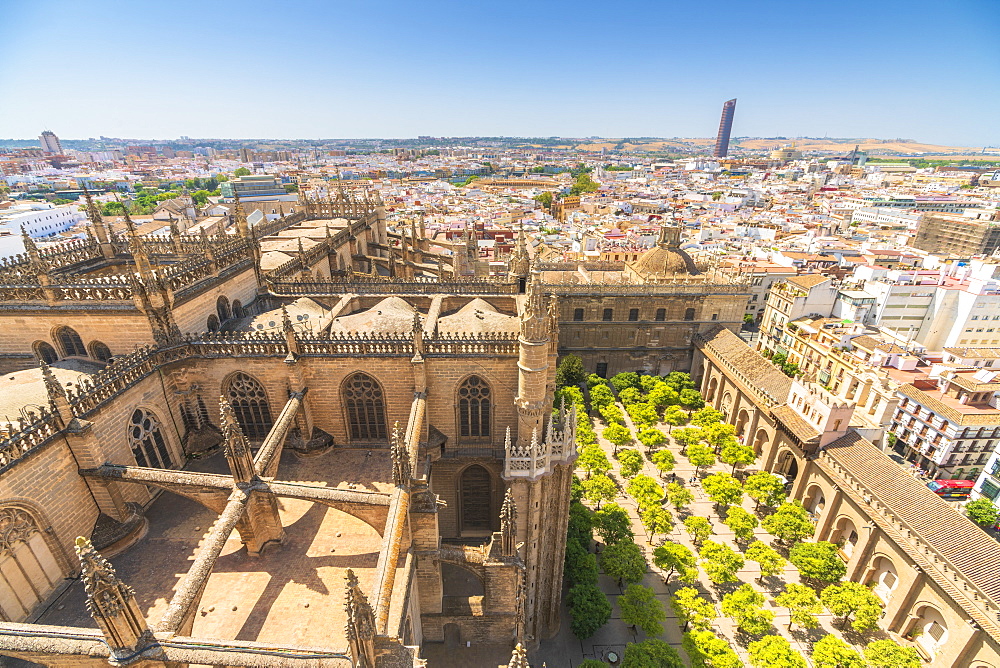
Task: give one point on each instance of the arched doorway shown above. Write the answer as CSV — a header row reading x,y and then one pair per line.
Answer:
x,y
930,630
815,501
713,385
742,422
846,536
787,465
885,579
29,571
758,442
475,501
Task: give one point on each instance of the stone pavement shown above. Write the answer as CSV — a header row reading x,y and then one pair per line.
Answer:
x,y
567,651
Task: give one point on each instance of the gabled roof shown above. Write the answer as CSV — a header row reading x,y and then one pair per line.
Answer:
x,y
808,280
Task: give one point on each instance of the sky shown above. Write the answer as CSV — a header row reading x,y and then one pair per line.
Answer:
x,y
922,69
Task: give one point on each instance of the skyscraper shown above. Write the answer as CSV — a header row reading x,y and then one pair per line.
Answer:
x,y
50,143
725,127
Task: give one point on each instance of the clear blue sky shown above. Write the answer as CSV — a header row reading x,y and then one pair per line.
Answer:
x,y
922,69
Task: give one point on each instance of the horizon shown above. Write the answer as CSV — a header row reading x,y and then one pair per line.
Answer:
x,y
393,70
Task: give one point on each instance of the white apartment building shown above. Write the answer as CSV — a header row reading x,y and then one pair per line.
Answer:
x,y
885,216
40,219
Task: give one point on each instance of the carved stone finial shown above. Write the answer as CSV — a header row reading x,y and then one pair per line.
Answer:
x,y
235,444
519,658
360,625
400,458
418,335
286,320
240,216
52,385
111,603
508,525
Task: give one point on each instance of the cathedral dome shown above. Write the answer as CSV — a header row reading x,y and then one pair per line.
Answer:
x,y
665,258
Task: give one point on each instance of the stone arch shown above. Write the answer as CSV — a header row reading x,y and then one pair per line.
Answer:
x,y
213,323
884,578
815,500
100,352
713,386
238,311
30,568
146,440
70,342
475,501
846,534
222,308
44,352
474,403
461,580
726,405
364,403
250,404
786,464
742,422
759,440
929,629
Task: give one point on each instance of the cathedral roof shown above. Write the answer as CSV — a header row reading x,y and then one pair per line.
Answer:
x,y
665,258
392,314
478,316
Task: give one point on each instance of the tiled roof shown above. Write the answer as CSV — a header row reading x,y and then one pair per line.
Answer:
x,y
756,370
977,419
931,518
974,353
798,425
808,280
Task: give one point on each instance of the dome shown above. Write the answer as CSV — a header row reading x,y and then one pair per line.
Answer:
x,y
665,258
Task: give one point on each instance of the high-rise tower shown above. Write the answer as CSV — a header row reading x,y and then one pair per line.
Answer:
x,y
50,143
725,127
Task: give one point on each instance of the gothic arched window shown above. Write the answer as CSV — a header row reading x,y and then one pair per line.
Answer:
x,y
146,441
100,352
249,402
27,566
474,408
222,308
238,309
71,342
475,500
45,352
365,404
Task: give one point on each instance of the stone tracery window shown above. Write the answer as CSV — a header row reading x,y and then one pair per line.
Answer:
x,y
146,440
28,569
365,403
249,402
474,408
100,351
72,344
45,352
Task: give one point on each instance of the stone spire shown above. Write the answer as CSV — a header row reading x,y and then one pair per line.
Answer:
x,y
508,526
96,220
112,604
360,625
235,445
418,336
34,256
400,458
290,341
240,217
519,264
135,246
534,319
519,658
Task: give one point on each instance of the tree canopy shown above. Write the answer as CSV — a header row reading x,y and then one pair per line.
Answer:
x,y
848,599
832,652
723,489
692,609
570,371
770,562
640,607
802,603
745,606
720,562
774,652
624,561
789,523
589,609
889,654
699,528
612,524
707,650
765,488
650,653
629,463
819,561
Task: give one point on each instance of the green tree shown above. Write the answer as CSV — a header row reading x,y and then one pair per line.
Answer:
x,y
742,523
593,663
692,609
679,496
700,455
790,523
580,565
765,488
645,491
629,463
570,371
718,434
723,489
580,527
982,512
593,460
802,603
612,524
691,400
707,650
241,171
626,379
686,437
650,653
707,416
640,607
593,380
601,396
674,557
720,562
889,654
657,520
589,610
613,415
599,488
623,561
853,599
663,460
819,561
675,417
737,454
545,199
832,652
652,438
643,414
745,606
774,652
618,435
663,396
647,383
698,528
679,380
629,395
771,563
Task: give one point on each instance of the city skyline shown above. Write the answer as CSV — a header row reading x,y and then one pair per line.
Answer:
x,y
558,69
